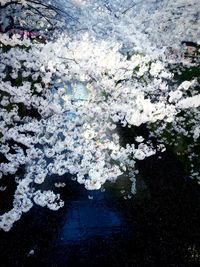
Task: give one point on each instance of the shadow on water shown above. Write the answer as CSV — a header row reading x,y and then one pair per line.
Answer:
x,y
157,227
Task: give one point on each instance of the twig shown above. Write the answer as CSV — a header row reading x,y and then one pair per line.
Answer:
x,y
72,59
126,10
54,8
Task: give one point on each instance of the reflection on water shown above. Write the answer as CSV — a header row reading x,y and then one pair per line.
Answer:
x,y
90,217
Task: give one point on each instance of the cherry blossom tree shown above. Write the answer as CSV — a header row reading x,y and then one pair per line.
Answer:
x,y
72,72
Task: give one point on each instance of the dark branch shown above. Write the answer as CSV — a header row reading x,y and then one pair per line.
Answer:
x,y
40,13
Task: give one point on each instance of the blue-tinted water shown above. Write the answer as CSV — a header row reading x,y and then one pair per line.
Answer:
x,y
88,218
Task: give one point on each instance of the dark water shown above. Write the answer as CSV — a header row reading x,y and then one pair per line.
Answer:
x,y
89,217
157,227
